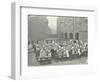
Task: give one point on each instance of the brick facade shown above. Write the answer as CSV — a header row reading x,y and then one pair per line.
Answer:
x,y
72,28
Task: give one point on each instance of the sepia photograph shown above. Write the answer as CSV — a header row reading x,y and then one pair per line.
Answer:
x,y
57,40
53,41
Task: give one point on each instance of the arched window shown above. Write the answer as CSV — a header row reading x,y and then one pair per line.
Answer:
x,y
77,36
71,35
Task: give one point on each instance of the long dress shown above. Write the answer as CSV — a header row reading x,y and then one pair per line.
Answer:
x,y
79,52
42,55
67,52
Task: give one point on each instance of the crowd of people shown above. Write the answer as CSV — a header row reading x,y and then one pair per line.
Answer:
x,y
58,50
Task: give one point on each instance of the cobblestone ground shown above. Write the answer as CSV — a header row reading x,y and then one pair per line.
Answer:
x,y
33,62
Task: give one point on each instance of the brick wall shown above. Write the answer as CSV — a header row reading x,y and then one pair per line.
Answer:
x,y
72,26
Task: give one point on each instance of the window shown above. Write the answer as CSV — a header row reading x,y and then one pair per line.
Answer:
x,y
71,35
77,36
66,35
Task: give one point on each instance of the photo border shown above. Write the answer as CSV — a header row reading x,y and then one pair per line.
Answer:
x,y
17,37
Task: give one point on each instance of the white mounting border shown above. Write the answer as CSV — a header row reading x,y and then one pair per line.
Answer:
x,y
16,65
